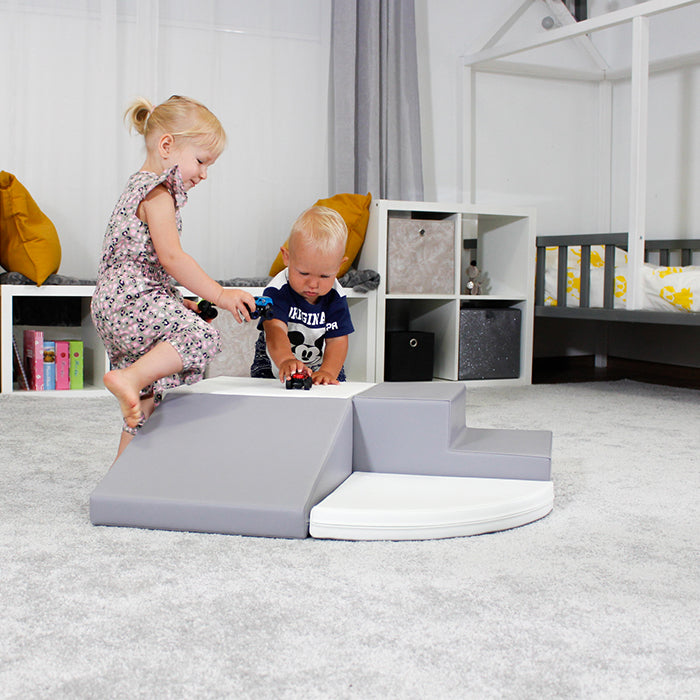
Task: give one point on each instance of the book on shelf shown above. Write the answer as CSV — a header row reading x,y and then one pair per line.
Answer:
x,y
62,365
76,364
34,359
20,372
49,356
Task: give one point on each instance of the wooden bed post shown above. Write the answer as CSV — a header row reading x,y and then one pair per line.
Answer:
x,y
638,159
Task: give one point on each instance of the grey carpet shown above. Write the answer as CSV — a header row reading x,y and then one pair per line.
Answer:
x,y
597,600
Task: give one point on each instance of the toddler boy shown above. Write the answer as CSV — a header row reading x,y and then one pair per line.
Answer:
x,y
309,330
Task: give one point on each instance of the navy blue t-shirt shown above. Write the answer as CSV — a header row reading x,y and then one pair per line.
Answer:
x,y
308,325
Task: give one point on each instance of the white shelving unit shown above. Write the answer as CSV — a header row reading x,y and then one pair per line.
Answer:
x,y
360,363
95,361
505,253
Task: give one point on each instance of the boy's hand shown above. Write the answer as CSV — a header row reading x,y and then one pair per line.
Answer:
x,y
323,377
292,366
239,302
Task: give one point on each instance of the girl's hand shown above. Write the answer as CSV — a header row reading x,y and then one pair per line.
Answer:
x,y
292,366
239,302
324,377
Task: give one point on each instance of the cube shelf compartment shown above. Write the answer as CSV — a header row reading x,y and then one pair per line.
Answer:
x,y
500,239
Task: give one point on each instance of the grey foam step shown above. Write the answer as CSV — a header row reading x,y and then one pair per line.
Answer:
x,y
419,428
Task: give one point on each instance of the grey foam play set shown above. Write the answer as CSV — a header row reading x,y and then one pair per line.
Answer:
x,y
251,464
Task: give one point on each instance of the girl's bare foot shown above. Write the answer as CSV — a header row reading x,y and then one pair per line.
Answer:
x,y
127,395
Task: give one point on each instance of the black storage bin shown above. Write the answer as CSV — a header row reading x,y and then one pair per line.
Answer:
x,y
489,343
46,311
408,356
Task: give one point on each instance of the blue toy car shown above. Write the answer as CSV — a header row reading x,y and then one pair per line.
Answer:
x,y
263,308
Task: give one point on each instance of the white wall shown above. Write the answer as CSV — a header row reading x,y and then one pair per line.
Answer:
x,y
262,67
673,155
446,29
540,149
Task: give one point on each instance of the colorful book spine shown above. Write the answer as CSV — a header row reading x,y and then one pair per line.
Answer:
x,y
49,355
62,364
76,364
34,359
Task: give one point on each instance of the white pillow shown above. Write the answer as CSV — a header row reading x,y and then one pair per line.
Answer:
x,y
671,288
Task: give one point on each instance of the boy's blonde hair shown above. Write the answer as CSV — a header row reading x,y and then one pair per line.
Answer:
x,y
182,117
322,228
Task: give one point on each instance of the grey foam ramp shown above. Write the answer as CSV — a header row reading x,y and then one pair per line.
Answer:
x,y
419,428
231,464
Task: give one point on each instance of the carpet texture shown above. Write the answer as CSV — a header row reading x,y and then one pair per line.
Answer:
x,y
599,599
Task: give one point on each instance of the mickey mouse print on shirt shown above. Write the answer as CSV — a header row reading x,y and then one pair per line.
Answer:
x,y
309,351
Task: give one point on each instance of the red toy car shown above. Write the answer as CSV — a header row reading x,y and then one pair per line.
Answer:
x,y
299,380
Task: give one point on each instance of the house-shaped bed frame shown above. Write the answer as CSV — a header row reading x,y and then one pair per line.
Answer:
x,y
496,56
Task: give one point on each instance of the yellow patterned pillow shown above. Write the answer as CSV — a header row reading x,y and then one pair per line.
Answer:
x,y
28,239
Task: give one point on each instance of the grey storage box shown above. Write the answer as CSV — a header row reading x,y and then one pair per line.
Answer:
x,y
489,343
421,256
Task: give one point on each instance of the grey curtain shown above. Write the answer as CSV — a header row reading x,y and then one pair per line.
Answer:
x,y
374,110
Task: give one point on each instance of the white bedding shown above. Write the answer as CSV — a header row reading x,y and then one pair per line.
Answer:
x,y
663,288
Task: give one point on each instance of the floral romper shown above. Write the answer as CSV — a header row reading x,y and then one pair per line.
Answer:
x,y
136,305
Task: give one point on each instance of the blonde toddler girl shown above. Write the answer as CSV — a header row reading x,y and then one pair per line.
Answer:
x,y
154,337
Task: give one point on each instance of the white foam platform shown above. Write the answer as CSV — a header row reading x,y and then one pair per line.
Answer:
x,y
372,506
248,386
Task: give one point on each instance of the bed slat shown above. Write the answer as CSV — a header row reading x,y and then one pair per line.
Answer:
x,y
609,278
585,280
539,275
561,275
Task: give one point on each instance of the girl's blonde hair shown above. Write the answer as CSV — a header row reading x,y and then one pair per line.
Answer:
x,y
322,228
182,117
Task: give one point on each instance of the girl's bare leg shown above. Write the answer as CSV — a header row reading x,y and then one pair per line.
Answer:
x,y
147,406
124,441
126,384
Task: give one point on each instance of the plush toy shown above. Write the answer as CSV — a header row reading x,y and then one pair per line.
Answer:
x,y
473,281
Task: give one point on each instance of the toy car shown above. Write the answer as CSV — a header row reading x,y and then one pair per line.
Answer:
x,y
263,308
207,310
299,380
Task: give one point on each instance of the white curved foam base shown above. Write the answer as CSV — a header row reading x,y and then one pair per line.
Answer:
x,y
372,506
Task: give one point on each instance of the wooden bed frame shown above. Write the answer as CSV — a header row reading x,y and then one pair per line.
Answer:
x,y
681,252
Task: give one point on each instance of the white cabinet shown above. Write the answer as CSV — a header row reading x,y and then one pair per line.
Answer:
x,y
359,365
500,239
